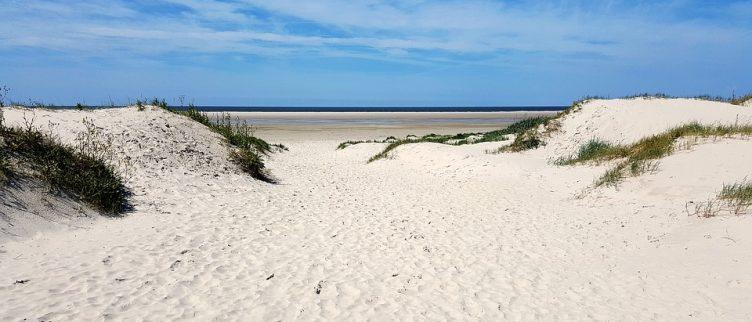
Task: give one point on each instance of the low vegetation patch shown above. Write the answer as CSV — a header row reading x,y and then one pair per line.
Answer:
x,y
4,165
594,150
738,196
79,170
735,199
640,157
741,100
528,136
457,139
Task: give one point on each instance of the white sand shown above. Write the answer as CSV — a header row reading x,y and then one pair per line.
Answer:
x,y
436,232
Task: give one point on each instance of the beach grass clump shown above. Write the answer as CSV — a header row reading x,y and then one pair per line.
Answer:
x,y
140,105
79,170
738,196
518,128
640,157
384,153
577,105
734,198
526,124
248,148
347,143
594,150
457,139
161,103
239,134
4,90
647,95
4,160
527,135
524,141
611,177
741,99
4,166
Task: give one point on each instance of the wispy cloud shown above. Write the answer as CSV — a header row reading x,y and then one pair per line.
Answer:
x,y
612,28
448,38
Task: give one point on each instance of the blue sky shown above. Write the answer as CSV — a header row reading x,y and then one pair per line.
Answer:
x,y
372,52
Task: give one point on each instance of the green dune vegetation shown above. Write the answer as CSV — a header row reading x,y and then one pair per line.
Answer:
x,y
84,170
640,157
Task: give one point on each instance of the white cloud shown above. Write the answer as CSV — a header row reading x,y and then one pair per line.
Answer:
x,y
609,29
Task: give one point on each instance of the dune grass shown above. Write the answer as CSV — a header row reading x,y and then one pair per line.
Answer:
x,y
354,142
78,170
4,90
4,165
735,199
527,136
738,196
249,150
4,162
456,139
740,100
640,157
594,150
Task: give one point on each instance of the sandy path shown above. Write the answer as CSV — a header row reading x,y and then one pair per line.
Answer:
x,y
436,233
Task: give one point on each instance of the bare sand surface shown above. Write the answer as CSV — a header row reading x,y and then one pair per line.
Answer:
x,y
294,126
433,232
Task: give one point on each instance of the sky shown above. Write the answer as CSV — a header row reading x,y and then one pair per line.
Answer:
x,y
371,52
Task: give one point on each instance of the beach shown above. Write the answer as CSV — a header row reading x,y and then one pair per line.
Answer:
x,y
369,125
430,232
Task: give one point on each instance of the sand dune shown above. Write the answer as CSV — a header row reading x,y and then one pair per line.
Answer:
x,y
435,232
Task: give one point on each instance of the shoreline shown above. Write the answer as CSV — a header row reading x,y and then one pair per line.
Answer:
x,y
347,115
297,126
